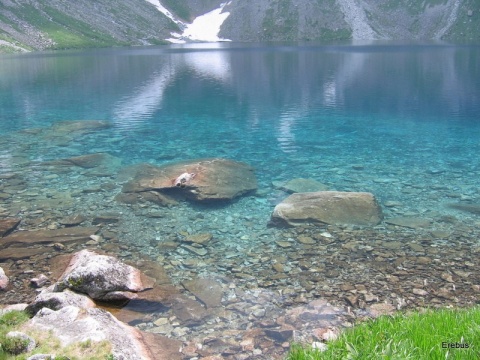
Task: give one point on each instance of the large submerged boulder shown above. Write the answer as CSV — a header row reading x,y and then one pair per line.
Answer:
x,y
102,277
328,207
199,180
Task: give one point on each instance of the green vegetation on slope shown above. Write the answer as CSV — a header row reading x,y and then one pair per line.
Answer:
x,y
434,334
64,30
179,8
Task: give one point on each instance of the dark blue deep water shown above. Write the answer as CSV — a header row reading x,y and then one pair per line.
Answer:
x,y
401,121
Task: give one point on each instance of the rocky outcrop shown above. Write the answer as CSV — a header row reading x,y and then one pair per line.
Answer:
x,y
53,300
198,180
72,324
328,207
102,277
74,317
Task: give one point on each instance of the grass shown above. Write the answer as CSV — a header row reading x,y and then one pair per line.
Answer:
x,y
416,336
47,343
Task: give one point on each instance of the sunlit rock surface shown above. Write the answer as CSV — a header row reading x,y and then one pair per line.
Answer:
x,y
209,179
328,207
102,277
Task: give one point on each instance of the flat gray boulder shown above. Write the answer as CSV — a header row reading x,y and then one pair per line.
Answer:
x,y
328,207
199,180
102,277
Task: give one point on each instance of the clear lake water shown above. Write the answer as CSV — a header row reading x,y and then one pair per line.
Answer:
x,y
401,121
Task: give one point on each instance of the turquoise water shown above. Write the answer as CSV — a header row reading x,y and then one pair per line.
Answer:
x,y
307,111
400,121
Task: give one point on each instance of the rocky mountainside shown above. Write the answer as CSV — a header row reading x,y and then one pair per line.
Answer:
x,y
58,24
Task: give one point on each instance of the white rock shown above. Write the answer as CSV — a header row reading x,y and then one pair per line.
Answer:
x,y
3,280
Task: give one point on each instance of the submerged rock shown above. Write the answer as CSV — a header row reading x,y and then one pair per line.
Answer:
x,y
66,235
328,207
470,208
8,225
98,164
208,291
409,222
79,126
102,277
301,185
199,180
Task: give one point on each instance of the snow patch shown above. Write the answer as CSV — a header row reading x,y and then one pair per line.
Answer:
x,y
206,27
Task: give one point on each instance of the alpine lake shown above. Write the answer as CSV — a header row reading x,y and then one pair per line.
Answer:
x,y
398,120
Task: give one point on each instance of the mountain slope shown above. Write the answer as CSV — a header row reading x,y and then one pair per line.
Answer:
x,y
58,24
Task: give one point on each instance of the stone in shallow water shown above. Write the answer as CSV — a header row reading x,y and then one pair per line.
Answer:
x,y
8,225
471,208
409,222
328,207
110,218
301,185
214,179
73,220
188,311
89,161
18,253
79,126
280,335
208,291
72,234
199,238
195,250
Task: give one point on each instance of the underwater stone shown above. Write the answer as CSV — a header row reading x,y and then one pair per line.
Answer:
x,y
328,207
409,222
302,185
66,235
8,225
208,291
215,179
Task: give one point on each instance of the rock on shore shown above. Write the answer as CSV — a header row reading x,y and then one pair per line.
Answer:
x,y
102,277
